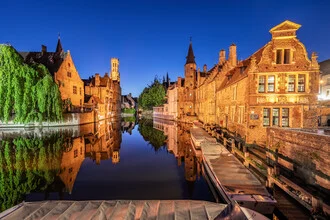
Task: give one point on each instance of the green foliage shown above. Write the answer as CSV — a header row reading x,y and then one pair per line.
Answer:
x,y
28,93
153,95
26,165
155,137
129,110
128,119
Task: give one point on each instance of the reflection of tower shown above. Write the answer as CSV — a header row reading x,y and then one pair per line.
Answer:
x,y
115,76
115,157
189,165
116,141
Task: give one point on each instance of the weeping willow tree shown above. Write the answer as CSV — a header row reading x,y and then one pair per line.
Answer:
x,y
28,92
27,165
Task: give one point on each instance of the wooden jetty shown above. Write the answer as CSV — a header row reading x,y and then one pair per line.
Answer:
x,y
231,179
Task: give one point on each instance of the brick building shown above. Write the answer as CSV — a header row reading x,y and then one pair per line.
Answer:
x,y
61,66
276,86
106,90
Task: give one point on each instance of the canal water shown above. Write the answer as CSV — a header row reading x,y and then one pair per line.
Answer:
x,y
104,161
109,160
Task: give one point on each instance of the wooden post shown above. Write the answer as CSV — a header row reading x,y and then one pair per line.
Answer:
x,y
233,146
317,205
224,142
276,170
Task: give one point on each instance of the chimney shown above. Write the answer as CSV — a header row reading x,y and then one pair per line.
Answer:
x,y
97,79
232,55
204,68
222,56
179,81
43,49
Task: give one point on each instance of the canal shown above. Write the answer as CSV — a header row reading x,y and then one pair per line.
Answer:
x,y
106,161
109,160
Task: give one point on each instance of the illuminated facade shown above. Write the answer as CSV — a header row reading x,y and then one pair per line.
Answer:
x,y
107,92
276,86
63,70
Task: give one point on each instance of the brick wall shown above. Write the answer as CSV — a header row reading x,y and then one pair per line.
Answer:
x,y
306,154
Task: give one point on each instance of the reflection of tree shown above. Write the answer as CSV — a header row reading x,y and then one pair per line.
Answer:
x,y
27,164
155,137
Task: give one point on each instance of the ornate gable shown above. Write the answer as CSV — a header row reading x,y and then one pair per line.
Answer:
x,y
286,29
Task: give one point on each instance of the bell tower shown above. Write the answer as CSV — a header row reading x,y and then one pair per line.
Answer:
x,y
190,68
115,76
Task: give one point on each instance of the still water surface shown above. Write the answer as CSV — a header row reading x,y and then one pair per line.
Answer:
x,y
109,160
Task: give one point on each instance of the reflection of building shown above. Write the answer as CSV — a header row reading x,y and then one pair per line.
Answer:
x,y
105,143
99,141
178,143
72,158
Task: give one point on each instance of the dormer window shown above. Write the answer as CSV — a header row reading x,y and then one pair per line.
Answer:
x,y
283,56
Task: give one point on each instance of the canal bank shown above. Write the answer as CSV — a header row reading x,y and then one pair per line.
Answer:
x,y
253,160
232,180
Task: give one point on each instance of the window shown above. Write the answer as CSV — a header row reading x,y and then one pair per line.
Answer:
x,y
276,112
292,83
278,56
301,83
233,111
80,91
74,89
262,80
285,117
70,170
266,117
328,93
75,153
80,102
68,74
234,92
271,83
283,56
241,114
287,55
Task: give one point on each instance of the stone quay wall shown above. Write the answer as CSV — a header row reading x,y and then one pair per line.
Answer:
x,y
302,154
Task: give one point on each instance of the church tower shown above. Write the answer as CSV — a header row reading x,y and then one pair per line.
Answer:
x,y
115,76
190,68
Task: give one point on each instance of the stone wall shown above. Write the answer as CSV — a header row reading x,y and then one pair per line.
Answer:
x,y
303,154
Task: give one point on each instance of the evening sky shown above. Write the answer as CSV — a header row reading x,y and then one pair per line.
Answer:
x,y
152,37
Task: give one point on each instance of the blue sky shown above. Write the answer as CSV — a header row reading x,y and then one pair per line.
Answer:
x,y
152,37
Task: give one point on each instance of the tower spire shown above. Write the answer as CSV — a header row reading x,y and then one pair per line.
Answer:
x,y
190,57
59,47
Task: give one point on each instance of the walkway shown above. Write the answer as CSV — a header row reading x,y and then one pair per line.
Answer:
x,y
117,209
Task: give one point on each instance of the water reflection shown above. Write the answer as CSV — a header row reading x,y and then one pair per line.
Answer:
x,y
176,137
49,160
93,162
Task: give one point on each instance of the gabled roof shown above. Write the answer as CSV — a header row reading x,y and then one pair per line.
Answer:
x,y
285,25
190,57
52,60
241,70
